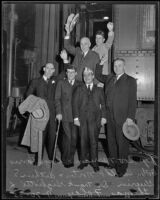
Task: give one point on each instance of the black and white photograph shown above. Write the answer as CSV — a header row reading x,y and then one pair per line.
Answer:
x,y
80,99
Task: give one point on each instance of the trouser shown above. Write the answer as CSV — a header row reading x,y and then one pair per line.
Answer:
x,y
118,146
49,136
69,142
89,140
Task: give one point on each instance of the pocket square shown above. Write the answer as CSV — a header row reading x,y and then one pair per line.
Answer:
x,y
53,82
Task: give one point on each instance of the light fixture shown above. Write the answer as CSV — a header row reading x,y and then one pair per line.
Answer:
x,y
106,17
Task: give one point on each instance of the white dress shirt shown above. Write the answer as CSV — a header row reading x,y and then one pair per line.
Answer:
x,y
91,86
71,81
118,76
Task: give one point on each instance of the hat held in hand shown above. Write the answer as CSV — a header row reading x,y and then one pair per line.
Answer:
x,y
131,131
74,21
38,114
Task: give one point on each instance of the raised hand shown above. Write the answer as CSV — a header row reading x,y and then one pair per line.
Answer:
x,y
59,117
64,54
103,59
74,21
129,121
103,121
110,26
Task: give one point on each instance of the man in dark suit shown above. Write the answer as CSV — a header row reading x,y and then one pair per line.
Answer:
x,y
44,87
84,57
89,114
63,101
120,94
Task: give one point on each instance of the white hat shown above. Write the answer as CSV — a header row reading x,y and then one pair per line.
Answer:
x,y
38,114
131,131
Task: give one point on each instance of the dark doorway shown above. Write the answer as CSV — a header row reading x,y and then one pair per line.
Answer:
x,y
99,25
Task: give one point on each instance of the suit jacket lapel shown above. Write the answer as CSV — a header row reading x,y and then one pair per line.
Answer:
x,y
123,77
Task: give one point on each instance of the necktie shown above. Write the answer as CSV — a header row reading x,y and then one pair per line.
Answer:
x,y
71,82
89,88
115,79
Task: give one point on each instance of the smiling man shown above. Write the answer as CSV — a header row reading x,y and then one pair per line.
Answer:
x,y
89,115
84,56
44,87
120,97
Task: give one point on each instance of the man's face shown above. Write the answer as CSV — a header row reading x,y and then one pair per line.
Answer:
x,y
49,70
99,40
118,67
85,44
71,74
88,77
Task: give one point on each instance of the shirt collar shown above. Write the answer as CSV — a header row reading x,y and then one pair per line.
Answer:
x,y
118,76
45,78
91,85
85,53
72,81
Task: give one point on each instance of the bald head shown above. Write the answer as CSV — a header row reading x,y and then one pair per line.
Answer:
x,y
85,44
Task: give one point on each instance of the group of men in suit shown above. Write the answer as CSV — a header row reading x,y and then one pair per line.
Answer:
x,y
87,108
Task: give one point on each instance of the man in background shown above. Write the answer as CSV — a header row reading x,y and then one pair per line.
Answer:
x,y
102,47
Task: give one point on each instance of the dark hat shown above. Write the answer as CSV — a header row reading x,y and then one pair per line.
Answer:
x,y
131,131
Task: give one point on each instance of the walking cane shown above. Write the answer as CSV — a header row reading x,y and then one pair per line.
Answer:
x,y
55,145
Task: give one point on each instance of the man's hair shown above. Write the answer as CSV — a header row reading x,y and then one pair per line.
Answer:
x,y
48,63
87,69
72,67
99,32
120,59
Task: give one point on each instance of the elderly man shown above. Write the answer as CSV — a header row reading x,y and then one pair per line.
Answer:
x,y
89,114
44,87
120,94
84,57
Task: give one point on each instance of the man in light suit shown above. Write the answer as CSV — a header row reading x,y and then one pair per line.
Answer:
x,y
89,114
120,94
63,101
44,87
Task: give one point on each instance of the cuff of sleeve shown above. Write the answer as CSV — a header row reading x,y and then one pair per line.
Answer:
x,y
110,33
66,37
66,61
76,118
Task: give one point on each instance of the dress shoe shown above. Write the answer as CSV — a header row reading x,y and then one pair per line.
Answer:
x,y
110,167
95,166
68,165
56,160
82,165
120,174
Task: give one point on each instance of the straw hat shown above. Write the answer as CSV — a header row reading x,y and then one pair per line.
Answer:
x,y
131,131
38,114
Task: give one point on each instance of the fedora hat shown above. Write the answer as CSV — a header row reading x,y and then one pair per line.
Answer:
x,y
38,114
131,131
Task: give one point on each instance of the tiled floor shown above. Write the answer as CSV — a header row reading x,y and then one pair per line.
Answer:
x,y
24,178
